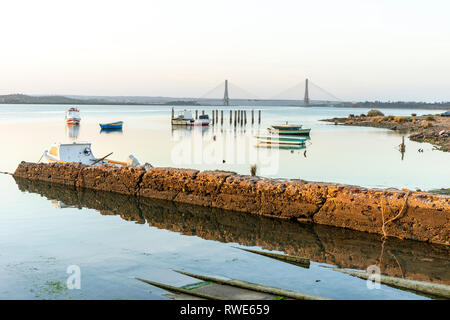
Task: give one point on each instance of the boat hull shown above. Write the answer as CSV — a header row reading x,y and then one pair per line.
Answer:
x,y
111,126
73,122
301,132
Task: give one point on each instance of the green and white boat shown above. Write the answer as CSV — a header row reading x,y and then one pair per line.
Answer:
x,y
290,132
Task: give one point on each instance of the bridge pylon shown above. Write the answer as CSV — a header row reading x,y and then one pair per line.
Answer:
x,y
226,99
306,99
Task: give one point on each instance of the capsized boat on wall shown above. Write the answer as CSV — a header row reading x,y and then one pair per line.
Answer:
x,y
81,152
73,116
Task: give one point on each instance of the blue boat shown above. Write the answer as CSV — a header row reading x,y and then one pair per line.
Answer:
x,y
112,126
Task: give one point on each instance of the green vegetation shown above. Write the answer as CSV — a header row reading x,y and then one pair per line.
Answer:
x,y
196,285
183,103
375,113
403,104
25,99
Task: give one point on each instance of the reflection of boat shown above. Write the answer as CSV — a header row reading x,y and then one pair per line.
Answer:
x,y
287,126
112,125
73,131
111,131
281,147
281,140
298,132
82,153
73,116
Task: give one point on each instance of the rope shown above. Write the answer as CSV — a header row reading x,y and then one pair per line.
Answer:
x,y
4,172
401,212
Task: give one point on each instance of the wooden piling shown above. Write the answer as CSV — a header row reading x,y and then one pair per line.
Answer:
x,y
245,117
173,113
221,117
196,114
231,116
212,119
259,116
253,116
203,112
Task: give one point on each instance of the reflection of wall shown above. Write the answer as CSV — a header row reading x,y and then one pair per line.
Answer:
x,y
341,247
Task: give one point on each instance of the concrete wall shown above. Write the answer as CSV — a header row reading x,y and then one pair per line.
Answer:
x,y
416,215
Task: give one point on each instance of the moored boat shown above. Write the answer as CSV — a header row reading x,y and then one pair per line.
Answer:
x,y
203,120
112,125
81,152
298,132
183,119
73,116
287,126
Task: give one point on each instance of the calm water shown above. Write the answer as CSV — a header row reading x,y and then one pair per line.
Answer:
x,y
114,239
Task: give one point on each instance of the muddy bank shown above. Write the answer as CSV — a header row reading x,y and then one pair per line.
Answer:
x,y
390,212
337,246
433,129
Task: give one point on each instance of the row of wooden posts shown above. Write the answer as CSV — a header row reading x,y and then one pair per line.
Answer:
x,y
240,116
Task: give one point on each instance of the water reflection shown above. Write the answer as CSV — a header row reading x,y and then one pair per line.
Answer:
x,y
111,131
73,131
336,246
188,131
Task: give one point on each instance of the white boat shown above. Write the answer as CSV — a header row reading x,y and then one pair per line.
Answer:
x,y
203,120
73,116
184,119
81,152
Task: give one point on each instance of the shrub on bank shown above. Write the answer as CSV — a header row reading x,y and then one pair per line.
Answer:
x,y
426,124
374,113
401,119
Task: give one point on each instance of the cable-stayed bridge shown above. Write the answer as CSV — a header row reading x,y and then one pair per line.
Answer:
x,y
304,93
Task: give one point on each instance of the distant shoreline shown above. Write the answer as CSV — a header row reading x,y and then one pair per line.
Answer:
x,y
434,107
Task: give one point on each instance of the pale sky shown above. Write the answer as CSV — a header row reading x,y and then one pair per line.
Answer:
x,y
355,49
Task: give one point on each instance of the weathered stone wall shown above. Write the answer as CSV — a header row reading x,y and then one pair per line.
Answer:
x,y
406,214
337,246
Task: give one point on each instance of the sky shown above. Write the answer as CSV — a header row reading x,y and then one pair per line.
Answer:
x,y
355,49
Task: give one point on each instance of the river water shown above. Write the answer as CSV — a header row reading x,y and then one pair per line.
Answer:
x,y
113,239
